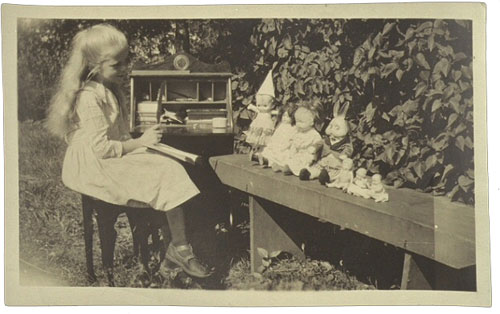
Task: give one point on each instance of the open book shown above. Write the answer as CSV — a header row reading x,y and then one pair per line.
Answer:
x,y
175,153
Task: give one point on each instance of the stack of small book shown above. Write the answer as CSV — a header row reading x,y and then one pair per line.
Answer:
x,y
204,115
147,113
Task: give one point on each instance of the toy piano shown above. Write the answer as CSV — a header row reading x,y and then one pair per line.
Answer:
x,y
191,99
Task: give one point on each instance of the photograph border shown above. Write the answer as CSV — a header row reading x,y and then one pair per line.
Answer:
x,y
22,295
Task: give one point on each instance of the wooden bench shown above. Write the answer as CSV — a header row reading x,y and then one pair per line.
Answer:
x,y
437,236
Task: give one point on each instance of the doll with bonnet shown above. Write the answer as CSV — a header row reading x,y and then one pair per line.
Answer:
x,y
282,137
337,146
262,127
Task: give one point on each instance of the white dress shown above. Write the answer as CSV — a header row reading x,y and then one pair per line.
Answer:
x,y
261,129
95,165
279,143
303,150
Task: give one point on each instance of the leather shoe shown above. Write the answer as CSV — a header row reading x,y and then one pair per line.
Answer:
x,y
184,257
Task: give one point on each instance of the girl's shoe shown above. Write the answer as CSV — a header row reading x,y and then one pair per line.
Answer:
x,y
187,260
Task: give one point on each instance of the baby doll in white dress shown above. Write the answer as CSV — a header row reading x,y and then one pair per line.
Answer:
x,y
262,127
344,178
359,185
282,137
305,142
377,190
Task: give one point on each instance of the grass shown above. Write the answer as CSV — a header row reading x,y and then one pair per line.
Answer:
x,y
51,240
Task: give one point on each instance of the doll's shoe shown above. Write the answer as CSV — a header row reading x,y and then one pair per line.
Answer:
x,y
275,167
323,177
183,256
304,174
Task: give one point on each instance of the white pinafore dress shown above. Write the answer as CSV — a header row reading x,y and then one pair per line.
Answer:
x,y
95,165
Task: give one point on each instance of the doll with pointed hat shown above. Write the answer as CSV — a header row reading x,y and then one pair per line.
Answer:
x,y
262,127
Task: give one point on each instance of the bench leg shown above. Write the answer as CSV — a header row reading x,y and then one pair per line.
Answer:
x,y
420,273
270,230
413,277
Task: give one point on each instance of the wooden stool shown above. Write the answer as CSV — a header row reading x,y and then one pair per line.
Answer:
x,y
143,222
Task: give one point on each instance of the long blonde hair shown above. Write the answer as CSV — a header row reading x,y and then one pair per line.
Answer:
x,y
89,49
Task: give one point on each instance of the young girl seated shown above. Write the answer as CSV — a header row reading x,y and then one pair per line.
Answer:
x,y
102,160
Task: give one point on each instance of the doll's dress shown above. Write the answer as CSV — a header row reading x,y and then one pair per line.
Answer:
x,y
279,143
260,130
342,180
330,157
95,165
359,187
303,150
378,193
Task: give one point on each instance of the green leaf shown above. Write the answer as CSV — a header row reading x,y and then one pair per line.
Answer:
x,y
424,75
460,142
419,169
399,74
469,143
430,162
431,42
387,69
275,254
420,88
387,28
459,57
451,119
409,33
287,42
457,75
465,182
262,252
423,26
420,58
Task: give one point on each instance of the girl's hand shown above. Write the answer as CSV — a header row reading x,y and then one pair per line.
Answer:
x,y
152,135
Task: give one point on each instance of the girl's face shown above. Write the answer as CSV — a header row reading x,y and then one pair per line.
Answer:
x,y
113,70
304,119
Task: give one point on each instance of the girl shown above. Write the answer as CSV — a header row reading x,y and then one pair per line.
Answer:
x,y
102,160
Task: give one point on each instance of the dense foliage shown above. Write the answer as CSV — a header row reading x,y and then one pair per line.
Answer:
x,y
409,82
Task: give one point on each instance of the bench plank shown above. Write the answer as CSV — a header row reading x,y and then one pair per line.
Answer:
x,y
417,222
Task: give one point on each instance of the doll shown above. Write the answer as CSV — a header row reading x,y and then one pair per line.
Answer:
x,y
262,127
305,141
282,137
359,185
377,190
344,178
336,147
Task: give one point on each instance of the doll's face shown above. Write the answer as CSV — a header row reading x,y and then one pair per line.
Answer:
x,y
337,129
304,119
376,179
361,173
347,164
264,103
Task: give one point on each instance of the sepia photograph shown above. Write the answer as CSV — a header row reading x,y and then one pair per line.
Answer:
x,y
227,149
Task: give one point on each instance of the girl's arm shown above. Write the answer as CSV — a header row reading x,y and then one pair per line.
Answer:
x,y
150,136
95,124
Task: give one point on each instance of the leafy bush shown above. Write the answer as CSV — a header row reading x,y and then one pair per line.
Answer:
x,y
409,82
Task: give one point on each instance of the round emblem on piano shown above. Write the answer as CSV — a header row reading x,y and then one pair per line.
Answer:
x,y
181,62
